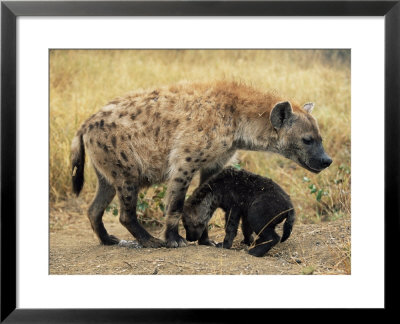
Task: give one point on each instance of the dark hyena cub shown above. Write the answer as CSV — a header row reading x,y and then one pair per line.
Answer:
x,y
169,134
258,201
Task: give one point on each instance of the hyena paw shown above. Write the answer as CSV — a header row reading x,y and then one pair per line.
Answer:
x,y
152,243
110,240
176,241
207,242
221,245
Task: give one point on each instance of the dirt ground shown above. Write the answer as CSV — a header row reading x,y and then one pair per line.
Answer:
x,y
322,248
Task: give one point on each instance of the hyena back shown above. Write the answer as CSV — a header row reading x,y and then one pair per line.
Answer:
x,y
169,134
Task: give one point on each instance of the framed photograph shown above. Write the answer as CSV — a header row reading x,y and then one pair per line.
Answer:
x,y
138,103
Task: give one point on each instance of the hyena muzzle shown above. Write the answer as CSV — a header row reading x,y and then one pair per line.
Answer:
x,y
171,133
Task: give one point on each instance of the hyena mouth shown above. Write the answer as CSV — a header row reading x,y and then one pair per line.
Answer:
x,y
307,167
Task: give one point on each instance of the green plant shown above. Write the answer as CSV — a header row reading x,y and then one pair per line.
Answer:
x,y
237,166
314,190
145,203
331,195
142,204
113,208
158,197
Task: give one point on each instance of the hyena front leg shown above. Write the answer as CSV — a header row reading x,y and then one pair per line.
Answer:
x,y
104,195
176,193
127,194
205,174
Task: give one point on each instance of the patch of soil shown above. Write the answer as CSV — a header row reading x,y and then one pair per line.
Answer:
x,y
74,249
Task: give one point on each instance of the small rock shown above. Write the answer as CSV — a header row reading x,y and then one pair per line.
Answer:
x,y
130,244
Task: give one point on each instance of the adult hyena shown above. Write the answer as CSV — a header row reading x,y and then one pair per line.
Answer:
x,y
169,134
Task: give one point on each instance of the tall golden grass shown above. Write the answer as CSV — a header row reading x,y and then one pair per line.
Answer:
x,y
82,81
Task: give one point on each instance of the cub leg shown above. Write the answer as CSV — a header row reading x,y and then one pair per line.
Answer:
x,y
267,239
247,231
232,219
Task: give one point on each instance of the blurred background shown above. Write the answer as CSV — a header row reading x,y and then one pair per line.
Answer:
x,y
82,81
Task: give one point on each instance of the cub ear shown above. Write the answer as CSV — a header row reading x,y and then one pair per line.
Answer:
x,y
280,114
309,106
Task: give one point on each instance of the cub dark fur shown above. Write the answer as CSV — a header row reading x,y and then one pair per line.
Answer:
x,y
258,201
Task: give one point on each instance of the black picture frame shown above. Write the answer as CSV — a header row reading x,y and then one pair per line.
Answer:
x,y
9,13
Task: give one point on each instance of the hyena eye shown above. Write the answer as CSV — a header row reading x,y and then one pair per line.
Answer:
x,y
308,141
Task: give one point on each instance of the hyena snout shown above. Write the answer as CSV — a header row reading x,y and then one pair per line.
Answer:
x,y
319,161
326,161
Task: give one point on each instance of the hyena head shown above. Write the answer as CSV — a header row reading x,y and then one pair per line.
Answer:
x,y
299,138
195,218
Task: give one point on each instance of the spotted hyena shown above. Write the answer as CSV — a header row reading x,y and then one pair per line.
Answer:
x,y
259,202
169,134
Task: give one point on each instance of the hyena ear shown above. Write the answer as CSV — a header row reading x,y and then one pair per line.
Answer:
x,y
309,106
280,114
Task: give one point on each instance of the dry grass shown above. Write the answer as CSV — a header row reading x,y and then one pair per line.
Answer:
x,y
81,81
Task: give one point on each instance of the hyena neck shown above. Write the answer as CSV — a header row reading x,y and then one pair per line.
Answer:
x,y
255,134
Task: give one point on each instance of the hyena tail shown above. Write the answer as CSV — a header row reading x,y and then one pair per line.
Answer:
x,y
287,227
77,163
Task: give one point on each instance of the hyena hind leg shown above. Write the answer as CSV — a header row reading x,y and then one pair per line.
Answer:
x,y
104,195
127,194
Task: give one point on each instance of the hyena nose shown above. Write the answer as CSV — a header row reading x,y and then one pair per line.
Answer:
x,y
326,161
